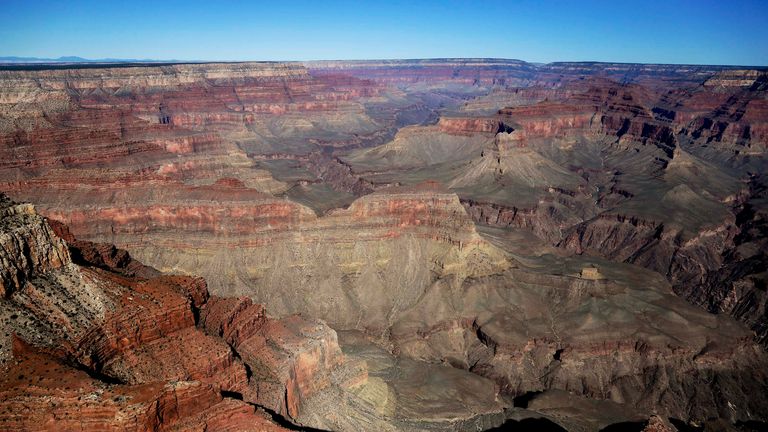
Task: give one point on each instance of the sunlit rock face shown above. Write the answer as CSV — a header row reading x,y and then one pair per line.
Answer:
x,y
97,343
666,177
90,348
446,217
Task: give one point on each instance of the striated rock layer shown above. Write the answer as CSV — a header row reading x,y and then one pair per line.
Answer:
x,y
92,346
665,178
348,267
315,189
90,349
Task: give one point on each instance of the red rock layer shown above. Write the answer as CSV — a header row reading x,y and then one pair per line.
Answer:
x,y
286,368
139,362
116,112
481,72
40,393
467,72
469,125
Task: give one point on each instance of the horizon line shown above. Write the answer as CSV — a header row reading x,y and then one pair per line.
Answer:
x,y
77,60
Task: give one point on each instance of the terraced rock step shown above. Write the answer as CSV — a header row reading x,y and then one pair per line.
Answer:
x,y
388,245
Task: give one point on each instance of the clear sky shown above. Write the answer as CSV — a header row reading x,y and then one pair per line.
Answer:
x,y
671,31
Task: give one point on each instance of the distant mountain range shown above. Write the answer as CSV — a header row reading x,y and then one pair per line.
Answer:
x,y
75,59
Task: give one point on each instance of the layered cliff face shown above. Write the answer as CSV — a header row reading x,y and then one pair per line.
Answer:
x,y
349,192
186,123
164,126
621,335
121,351
24,248
86,348
344,383
628,172
356,268
93,348
450,74
512,73
91,345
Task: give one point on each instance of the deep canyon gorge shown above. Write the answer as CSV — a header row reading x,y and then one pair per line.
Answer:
x,y
395,245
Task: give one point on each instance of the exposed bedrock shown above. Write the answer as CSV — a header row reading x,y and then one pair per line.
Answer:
x,y
297,368
469,125
92,346
269,181
512,73
42,393
87,348
722,268
26,244
545,221
471,306
629,341
355,268
665,194
289,360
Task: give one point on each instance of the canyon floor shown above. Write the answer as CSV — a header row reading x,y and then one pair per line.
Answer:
x,y
448,244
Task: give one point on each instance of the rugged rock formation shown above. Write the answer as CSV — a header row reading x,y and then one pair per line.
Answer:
x,y
132,344
26,245
86,348
417,146
512,73
615,325
639,174
470,125
93,346
294,261
289,360
313,188
39,392
456,74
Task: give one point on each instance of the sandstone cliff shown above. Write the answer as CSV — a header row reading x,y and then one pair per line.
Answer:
x,y
91,345
252,175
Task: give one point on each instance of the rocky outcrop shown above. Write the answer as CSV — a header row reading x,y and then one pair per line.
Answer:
x,y
41,393
415,147
337,175
657,424
546,220
745,78
27,245
103,343
469,125
96,348
289,360
102,255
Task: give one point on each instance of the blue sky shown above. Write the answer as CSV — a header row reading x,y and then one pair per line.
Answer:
x,y
701,32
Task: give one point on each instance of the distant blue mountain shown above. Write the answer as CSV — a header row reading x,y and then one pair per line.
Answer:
x,y
76,59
